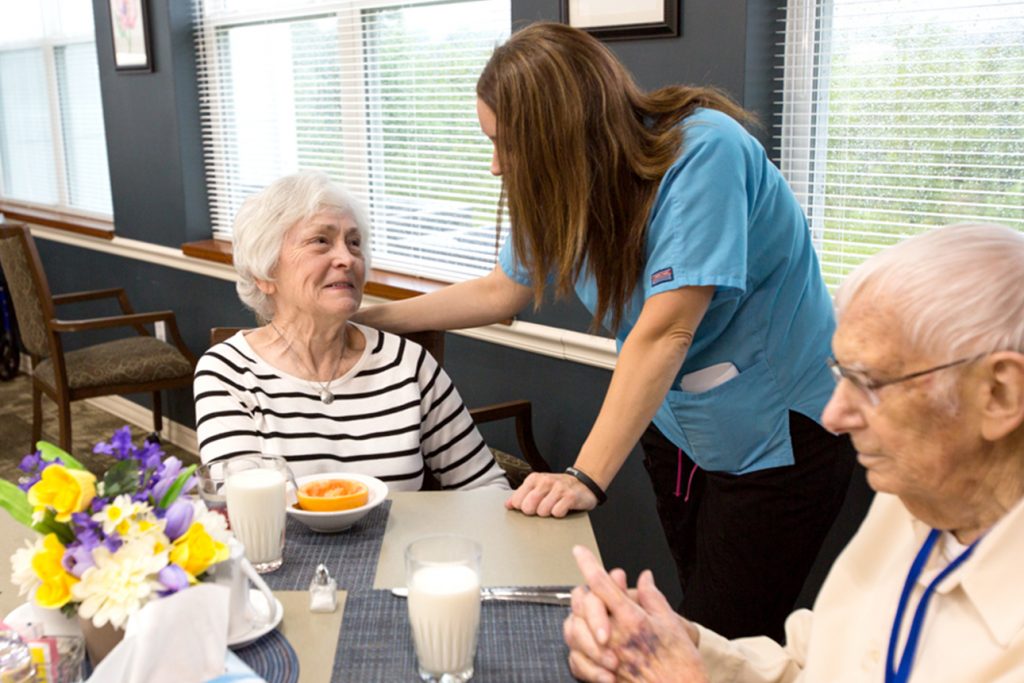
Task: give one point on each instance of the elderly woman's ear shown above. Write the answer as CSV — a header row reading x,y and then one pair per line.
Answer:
x,y
1003,408
265,286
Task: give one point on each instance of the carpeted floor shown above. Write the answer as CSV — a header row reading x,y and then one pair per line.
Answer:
x,y
88,426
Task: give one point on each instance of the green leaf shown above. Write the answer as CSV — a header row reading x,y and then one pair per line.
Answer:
x,y
15,501
123,477
175,490
51,452
51,525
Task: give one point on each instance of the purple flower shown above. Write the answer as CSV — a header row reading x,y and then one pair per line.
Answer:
x,y
32,465
77,558
168,473
179,518
149,455
122,442
173,579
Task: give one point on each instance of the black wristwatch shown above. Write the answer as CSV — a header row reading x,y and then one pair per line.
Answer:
x,y
585,479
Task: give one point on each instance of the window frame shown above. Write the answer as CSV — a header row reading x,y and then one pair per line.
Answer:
x,y
810,92
393,281
61,214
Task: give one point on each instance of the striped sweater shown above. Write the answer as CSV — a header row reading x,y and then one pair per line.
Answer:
x,y
394,413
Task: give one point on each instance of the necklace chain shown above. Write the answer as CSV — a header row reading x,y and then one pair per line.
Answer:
x,y
326,396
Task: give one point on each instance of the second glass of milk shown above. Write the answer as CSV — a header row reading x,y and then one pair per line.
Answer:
x,y
443,577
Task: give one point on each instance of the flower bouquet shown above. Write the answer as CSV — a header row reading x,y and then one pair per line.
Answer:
x,y
109,546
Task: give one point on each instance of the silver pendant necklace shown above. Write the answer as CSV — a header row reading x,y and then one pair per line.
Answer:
x,y
326,396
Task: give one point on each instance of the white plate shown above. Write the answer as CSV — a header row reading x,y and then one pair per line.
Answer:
x,y
332,522
259,601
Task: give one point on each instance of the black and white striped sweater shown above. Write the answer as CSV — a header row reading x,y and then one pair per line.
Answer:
x,y
394,412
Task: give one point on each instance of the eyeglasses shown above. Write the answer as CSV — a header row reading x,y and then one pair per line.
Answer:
x,y
869,387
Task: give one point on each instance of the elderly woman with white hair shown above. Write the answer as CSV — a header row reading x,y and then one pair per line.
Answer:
x,y
929,353
325,393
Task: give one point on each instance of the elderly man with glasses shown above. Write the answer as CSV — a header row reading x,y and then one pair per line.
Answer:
x,y
929,358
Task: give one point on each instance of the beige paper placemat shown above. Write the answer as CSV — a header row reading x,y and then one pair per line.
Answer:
x,y
313,635
517,550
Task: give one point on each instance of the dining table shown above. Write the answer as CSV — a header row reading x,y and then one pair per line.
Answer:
x,y
368,637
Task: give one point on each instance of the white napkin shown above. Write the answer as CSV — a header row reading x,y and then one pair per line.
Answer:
x,y
177,639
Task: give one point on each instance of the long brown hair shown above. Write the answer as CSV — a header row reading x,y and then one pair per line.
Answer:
x,y
582,151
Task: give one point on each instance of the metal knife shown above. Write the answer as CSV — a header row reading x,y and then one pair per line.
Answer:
x,y
544,595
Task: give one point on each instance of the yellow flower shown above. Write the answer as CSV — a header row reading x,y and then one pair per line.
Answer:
x,y
55,590
65,490
195,551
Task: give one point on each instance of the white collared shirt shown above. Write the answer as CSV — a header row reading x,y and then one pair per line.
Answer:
x,y
973,631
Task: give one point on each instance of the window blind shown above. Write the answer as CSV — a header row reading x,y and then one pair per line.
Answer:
x,y
53,150
381,96
898,116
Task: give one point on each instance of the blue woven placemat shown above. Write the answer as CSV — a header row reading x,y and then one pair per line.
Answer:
x,y
350,555
272,658
517,642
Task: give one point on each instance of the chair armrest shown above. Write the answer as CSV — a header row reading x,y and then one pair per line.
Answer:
x,y
94,294
523,414
72,297
109,321
136,320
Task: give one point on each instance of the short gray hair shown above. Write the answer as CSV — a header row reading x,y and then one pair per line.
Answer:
x,y
959,289
264,218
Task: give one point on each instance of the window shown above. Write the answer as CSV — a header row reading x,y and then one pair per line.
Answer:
x,y
899,116
379,95
53,152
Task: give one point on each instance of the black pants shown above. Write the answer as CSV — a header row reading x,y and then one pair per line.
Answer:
x,y
744,544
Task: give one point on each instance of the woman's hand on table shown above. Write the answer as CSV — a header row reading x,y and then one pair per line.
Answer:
x,y
629,635
547,494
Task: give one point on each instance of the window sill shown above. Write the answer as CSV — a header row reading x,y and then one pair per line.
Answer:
x,y
380,283
82,225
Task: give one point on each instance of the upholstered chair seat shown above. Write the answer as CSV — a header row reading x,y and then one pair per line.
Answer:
x,y
124,361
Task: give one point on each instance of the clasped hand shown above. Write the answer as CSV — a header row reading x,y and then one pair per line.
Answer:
x,y
551,495
618,634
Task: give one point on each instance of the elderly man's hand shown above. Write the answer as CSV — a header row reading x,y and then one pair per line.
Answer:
x,y
638,637
547,494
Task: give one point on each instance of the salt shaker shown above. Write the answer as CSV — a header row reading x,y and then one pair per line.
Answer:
x,y
323,591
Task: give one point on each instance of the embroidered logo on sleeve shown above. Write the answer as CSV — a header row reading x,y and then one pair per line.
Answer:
x,y
661,276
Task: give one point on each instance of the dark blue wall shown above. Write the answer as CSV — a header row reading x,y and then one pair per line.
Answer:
x,y
155,153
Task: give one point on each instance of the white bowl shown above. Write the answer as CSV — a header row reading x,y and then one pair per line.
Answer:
x,y
332,522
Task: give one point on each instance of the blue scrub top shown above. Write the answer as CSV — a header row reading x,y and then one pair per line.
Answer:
x,y
724,216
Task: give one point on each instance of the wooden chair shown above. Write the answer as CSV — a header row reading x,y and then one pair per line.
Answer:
x,y
516,468
135,364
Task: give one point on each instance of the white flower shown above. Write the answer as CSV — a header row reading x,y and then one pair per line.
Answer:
x,y
146,529
22,574
117,514
213,522
120,583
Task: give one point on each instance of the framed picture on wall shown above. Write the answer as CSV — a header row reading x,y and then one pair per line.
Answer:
x,y
128,23
617,20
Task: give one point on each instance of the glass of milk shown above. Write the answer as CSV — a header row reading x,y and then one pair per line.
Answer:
x,y
442,574
255,487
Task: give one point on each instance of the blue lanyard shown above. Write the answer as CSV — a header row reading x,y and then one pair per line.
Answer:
x,y
901,674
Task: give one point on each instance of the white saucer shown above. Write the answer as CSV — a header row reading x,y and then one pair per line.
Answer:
x,y
53,621
259,601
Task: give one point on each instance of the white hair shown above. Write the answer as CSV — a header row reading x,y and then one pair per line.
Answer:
x,y
958,290
264,218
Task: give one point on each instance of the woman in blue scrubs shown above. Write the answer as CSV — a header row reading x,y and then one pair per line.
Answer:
x,y
675,230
